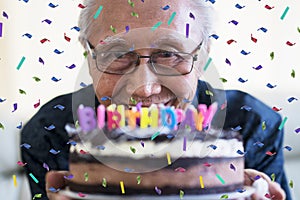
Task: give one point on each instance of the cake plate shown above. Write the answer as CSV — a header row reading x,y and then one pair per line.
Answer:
x,y
232,195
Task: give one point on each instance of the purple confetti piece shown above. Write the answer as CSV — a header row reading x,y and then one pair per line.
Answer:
x,y
157,190
167,7
139,106
2,100
184,144
19,126
15,105
245,107
49,128
105,98
41,60
53,151
211,1
187,30
101,147
269,85
297,130
185,100
46,166
241,190
55,79
25,145
69,177
240,152
75,28
52,189
4,14
257,177
58,51
82,84
292,99
233,22
27,35
214,147
232,167
170,136
245,53
262,29
239,6
52,5
242,80
258,67
259,144
71,142
47,21
192,16
71,66
214,36
60,107
238,128
127,29
142,143
227,62
288,148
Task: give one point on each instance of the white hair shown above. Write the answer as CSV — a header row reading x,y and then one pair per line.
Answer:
x,y
206,14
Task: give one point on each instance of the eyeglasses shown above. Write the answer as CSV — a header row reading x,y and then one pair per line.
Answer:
x,y
165,63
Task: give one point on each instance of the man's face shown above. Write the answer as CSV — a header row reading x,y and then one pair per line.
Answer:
x,y
143,84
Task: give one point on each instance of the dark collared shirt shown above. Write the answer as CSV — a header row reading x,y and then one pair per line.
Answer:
x,y
257,122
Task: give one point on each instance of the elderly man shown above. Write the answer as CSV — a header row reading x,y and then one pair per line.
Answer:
x,y
137,52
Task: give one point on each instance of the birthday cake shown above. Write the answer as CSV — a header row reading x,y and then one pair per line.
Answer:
x,y
154,151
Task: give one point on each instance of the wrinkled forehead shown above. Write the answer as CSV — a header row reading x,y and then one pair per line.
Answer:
x,y
145,38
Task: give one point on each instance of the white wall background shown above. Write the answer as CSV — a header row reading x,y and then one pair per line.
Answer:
x,y
27,18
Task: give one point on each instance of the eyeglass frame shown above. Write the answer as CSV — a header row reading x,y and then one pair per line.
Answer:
x,y
91,50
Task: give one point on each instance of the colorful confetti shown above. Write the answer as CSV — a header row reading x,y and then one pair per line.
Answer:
x,y
269,85
291,184
262,29
269,153
169,158
155,135
288,148
134,14
1,29
258,67
167,7
55,79
201,182
33,178
156,26
157,190
52,5
245,107
184,144
191,15
132,149
233,22
46,166
224,196
54,152
239,6
242,80
4,14
291,99
138,179
104,183
171,18
269,7
245,53
223,80
207,63
181,194
214,36
293,73
20,163
86,176
272,55
284,13
113,29
25,145
36,195
21,63
122,187
15,180
220,179
58,51
273,177
231,41
232,167
227,61
282,123
22,91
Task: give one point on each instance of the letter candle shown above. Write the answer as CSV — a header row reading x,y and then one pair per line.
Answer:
x,y
86,118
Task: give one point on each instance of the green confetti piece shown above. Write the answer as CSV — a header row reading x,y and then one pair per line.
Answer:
x,y
291,184
220,179
134,14
224,196
298,29
22,91
77,124
85,54
293,74
171,18
37,196
131,3
272,55
207,63
181,194
132,149
104,183
138,179
273,177
284,13
37,79
114,30
156,26
223,80
155,135
207,92
98,12
86,176
282,123
263,125
133,100
1,126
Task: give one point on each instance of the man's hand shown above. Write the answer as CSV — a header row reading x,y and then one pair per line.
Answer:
x,y
273,189
55,179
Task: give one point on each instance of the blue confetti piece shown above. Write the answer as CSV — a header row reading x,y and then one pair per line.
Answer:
x,y
297,130
26,1
245,107
258,67
58,52
245,53
72,143
69,177
2,100
82,84
241,190
47,21
239,6
170,136
27,35
214,147
242,80
227,62
128,170
71,66
41,60
211,1
167,7
288,148
101,147
233,22
52,5
262,29
192,16
52,189
257,177
259,144
25,145
214,36
232,167
60,107
76,28
127,29
19,126
185,100
238,128
4,14
240,152
269,85
292,99
105,98
15,105
55,79
49,128
53,151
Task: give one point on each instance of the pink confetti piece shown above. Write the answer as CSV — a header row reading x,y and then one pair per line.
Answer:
x,y
253,39
80,194
231,41
44,40
20,163
207,164
269,153
83,152
37,104
276,109
179,169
